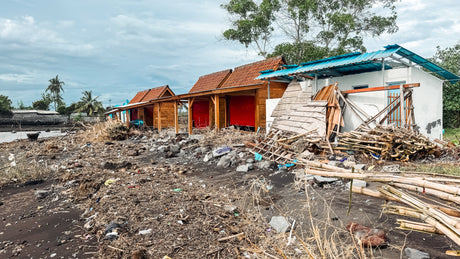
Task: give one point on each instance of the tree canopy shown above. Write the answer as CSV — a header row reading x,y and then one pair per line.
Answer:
x,y
313,28
89,104
55,88
449,58
5,105
42,104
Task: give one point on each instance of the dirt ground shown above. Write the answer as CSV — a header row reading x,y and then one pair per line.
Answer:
x,y
154,196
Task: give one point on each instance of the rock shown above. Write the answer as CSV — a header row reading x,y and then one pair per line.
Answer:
x,y
230,208
242,168
207,157
115,166
324,180
391,168
221,151
280,224
357,183
41,194
145,232
263,165
367,236
224,162
174,148
163,149
251,166
416,254
133,153
250,161
181,153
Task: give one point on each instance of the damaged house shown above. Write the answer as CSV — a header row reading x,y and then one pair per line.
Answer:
x,y
393,86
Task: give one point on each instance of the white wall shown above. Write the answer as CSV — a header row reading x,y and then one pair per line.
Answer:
x,y
270,105
427,98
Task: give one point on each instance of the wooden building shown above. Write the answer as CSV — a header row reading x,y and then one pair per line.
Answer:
x,y
229,97
156,107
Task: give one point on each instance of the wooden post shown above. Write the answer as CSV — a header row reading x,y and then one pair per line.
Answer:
x,y
225,113
176,117
257,111
216,111
401,103
127,118
159,116
190,119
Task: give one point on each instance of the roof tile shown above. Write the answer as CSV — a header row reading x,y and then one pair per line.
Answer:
x,y
244,75
210,81
151,94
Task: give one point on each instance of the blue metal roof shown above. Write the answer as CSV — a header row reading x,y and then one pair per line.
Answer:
x,y
357,62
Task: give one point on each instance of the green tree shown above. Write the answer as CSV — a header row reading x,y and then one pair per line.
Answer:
x,y
55,89
449,58
67,110
320,27
251,22
5,105
42,104
21,106
89,104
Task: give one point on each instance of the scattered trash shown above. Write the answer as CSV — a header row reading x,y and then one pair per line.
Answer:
x,y
177,190
110,181
280,224
415,254
368,237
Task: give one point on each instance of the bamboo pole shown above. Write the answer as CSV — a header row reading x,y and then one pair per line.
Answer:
x,y
439,194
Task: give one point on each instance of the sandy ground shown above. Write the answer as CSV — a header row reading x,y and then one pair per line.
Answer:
x,y
140,198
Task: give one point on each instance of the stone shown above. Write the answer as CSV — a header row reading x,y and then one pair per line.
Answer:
x,y
207,157
250,166
242,168
280,224
224,162
221,151
174,148
357,183
41,194
263,165
391,168
416,254
323,180
250,161
230,208
163,149
145,232
133,153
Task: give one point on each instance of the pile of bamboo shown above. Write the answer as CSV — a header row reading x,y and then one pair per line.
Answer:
x,y
387,142
438,216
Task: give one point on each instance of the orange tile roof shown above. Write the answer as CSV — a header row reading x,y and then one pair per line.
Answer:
x,y
151,94
210,81
244,75
156,93
139,96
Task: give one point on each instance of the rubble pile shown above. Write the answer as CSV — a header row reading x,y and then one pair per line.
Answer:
x,y
388,143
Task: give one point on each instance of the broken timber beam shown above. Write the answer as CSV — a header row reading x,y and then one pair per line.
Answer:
x,y
380,88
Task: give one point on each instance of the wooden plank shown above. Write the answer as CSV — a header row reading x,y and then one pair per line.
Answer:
x,y
380,88
217,111
176,118
159,116
127,118
257,111
190,119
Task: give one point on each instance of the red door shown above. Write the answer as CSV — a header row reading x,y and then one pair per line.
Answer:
x,y
242,110
200,114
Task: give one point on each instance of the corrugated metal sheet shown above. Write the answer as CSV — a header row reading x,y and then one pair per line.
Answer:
x,y
357,63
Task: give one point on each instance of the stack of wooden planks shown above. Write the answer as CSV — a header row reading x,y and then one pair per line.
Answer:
x,y
430,198
387,142
334,112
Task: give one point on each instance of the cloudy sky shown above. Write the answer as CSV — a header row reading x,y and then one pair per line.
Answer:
x,y
119,47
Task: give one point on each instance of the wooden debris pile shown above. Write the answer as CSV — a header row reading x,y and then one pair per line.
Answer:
x,y
334,118
388,143
432,199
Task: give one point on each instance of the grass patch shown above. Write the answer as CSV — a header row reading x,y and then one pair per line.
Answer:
x,y
452,135
440,168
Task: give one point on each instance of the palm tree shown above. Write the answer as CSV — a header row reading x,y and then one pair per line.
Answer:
x,y
89,104
55,88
